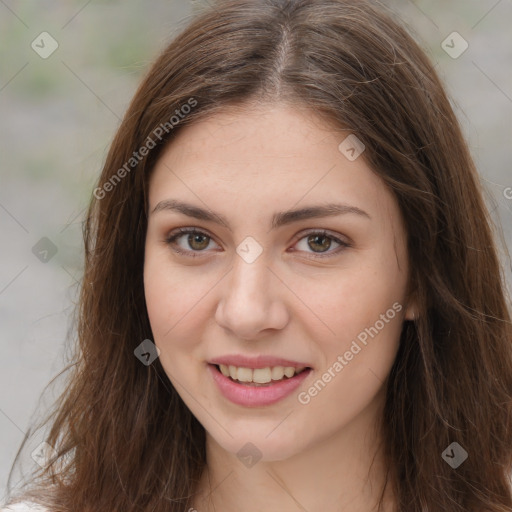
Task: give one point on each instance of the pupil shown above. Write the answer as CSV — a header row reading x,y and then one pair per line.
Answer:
x,y
315,238
194,238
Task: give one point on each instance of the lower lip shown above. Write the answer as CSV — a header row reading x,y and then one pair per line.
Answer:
x,y
256,396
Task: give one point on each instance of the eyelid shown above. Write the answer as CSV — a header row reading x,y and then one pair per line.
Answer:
x,y
343,244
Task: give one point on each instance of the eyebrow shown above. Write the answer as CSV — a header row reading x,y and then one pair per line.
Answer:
x,y
278,219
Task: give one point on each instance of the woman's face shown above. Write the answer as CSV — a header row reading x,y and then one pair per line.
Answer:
x,y
259,287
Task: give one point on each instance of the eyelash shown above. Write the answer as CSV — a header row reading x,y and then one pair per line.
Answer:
x,y
170,240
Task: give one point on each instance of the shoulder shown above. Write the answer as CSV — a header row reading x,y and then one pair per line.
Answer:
x,y
24,506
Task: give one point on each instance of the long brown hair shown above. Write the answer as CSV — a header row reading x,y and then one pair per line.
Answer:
x,y
125,441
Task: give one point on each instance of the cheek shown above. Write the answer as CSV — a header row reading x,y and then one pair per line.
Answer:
x,y
170,291
345,304
368,322
178,311
366,317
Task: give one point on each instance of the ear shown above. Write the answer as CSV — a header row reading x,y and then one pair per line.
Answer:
x,y
411,310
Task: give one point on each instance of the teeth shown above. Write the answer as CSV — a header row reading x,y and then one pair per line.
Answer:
x,y
262,375
277,373
243,374
233,372
289,372
259,375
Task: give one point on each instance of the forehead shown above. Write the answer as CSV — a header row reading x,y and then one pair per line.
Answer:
x,y
265,159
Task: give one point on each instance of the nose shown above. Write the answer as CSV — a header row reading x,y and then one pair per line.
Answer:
x,y
252,300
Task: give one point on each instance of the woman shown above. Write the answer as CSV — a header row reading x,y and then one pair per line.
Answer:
x,y
292,298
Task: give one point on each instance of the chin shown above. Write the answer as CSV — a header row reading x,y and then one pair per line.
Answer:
x,y
259,444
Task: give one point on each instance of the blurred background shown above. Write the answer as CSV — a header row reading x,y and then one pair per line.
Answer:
x,y
67,72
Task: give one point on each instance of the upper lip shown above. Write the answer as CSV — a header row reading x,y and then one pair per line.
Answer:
x,y
256,362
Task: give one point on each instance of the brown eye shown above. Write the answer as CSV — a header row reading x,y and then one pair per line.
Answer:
x,y
318,244
319,241
195,241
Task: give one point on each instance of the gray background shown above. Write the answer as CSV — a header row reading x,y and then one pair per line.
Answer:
x,y
58,116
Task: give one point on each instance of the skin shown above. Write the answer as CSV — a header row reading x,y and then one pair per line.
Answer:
x,y
245,166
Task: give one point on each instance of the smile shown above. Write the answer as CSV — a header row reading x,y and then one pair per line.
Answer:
x,y
259,376
256,387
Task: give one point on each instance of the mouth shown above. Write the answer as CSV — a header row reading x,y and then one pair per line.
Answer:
x,y
259,377
240,384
